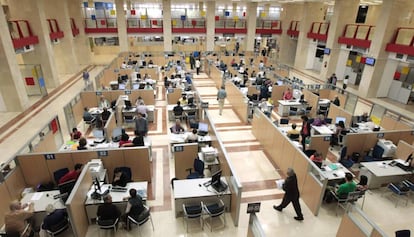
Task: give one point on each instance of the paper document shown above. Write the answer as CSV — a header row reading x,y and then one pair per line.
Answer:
x,y
279,183
36,196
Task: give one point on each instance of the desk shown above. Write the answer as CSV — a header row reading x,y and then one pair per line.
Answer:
x,y
334,174
322,130
324,102
380,172
91,205
41,200
133,111
186,109
193,190
284,106
180,138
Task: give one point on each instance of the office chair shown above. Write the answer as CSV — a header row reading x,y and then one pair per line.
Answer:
x,y
58,228
377,153
141,219
59,174
89,121
308,110
402,233
328,120
344,159
323,110
294,137
284,121
126,171
193,211
214,210
293,111
107,224
198,168
400,192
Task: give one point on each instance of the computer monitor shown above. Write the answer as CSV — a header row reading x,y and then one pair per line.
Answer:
x,y
66,188
128,104
98,133
97,193
337,119
121,86
124,77
203,127
116,134
191,101
215,178
135,86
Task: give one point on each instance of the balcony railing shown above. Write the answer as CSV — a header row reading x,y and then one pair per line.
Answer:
x,y
268,27
75,29
191,25
294,29
100,25
357,35
402,42
22,34
319,31
231,26
150,25
54,30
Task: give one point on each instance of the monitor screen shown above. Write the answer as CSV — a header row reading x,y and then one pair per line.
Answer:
x,y
121,86
128,104
215,178
98,133
337,119
117,132
327,51
66,188
135,86
97,184
203,127
191,100
370,61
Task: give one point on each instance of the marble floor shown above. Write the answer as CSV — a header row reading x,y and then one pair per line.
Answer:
x,y
255,171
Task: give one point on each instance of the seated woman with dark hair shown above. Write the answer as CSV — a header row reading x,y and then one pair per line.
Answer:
x,y
124,139
82,144
135,206
120,178
317,158
137,141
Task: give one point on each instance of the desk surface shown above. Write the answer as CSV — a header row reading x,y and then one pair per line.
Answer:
x,y
72,145
289,102
180,138
332,174
382,168
193,188
324,102
141,188
42,199
134,109
185,107
323,129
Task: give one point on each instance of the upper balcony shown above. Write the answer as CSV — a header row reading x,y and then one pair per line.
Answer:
x,y
100,25
75,29
230,26
268,27
294,29
54,31
357,35
403,42
148,25
22,34
188,25
319,31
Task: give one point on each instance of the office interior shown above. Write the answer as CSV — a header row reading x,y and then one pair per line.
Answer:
x,y
301,44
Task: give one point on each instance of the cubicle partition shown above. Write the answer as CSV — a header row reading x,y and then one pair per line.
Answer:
x,y
320,143
216,76
336,111
390,123
311,182
330,94
173,97
184,155
277,93
403,150
238,101
312,100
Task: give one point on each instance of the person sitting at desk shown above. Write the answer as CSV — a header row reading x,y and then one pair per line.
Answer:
x,y
71,175
343,189
53,217
183,100
369,124
108,211
336,101
148,86
178,109
319,121
167,82
142,109
287,95
317,158
139,101
177,128
364,117
75,134
135,206
253,74
120,178
103,103
105,114
123,65
192,137
86,115
338,130
15,221
141,125
188,79
82,144
124,139
293,131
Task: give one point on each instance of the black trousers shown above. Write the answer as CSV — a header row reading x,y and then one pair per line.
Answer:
x,y
295,202
198,70
303,141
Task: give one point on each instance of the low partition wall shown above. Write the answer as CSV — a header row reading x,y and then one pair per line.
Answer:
x,y
91,98
390,123
216,76
336,111
313,101
277,93
184,155
284,154
320,143
173,97
403,150
46,163
238,101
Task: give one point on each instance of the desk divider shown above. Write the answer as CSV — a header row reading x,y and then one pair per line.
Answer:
x,y
5,202
324,93
77,110
404,149
336,111
153,72
277,93
184,159
390,123
216,75
15,184
341,97
47,143
137,158
172,98
109,126
320,143
312,100
238,101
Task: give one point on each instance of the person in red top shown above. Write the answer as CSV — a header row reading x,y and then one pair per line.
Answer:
x,y
317,158
124,139
75,134
287,95
305,131
74,174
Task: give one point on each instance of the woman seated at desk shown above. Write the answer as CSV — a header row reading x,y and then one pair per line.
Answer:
x,y
319,121
82,144
120,178
287,95
339,129
137,141
135,206
192,137
177,128
317,158
75,134
124,139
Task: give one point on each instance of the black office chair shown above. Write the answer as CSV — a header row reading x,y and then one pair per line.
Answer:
x,y
328,120
107,224
377,153
344,159
59,174
293,111
58,228
323,110
294,137
198,170
308,110
309,153
193,211
402,233
143,217
216,209
126,171
284,121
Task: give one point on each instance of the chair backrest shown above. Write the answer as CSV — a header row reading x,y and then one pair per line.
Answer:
x,y
199,166
323,108
59,174
354,196
328,120
60,226
294,136
377,152
343,153
126,171
402,233
309,153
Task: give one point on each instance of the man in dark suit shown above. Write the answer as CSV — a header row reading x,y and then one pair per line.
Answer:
x,y
291,195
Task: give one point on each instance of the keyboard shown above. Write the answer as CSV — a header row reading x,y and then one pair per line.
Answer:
x,y
404,167
202,133
119,189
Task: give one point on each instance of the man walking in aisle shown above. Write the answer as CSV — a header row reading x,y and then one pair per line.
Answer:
x,y
221,96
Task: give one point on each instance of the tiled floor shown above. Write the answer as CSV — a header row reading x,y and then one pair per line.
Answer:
x,y
252,166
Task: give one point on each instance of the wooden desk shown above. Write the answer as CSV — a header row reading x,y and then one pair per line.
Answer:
x,y
186,109
91,205
322,130
133,111
193,190
380,172
284,105
334,174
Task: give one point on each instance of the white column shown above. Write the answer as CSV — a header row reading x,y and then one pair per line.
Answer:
x,y
122,27
166,9
251,26
211,25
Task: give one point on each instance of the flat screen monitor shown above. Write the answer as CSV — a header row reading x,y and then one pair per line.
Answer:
x,y
203,127
97,184
116,133
124,77
66,189
128,104
327,51
337,119
135,86
98,133
215,178
191,100
121,86
370,61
